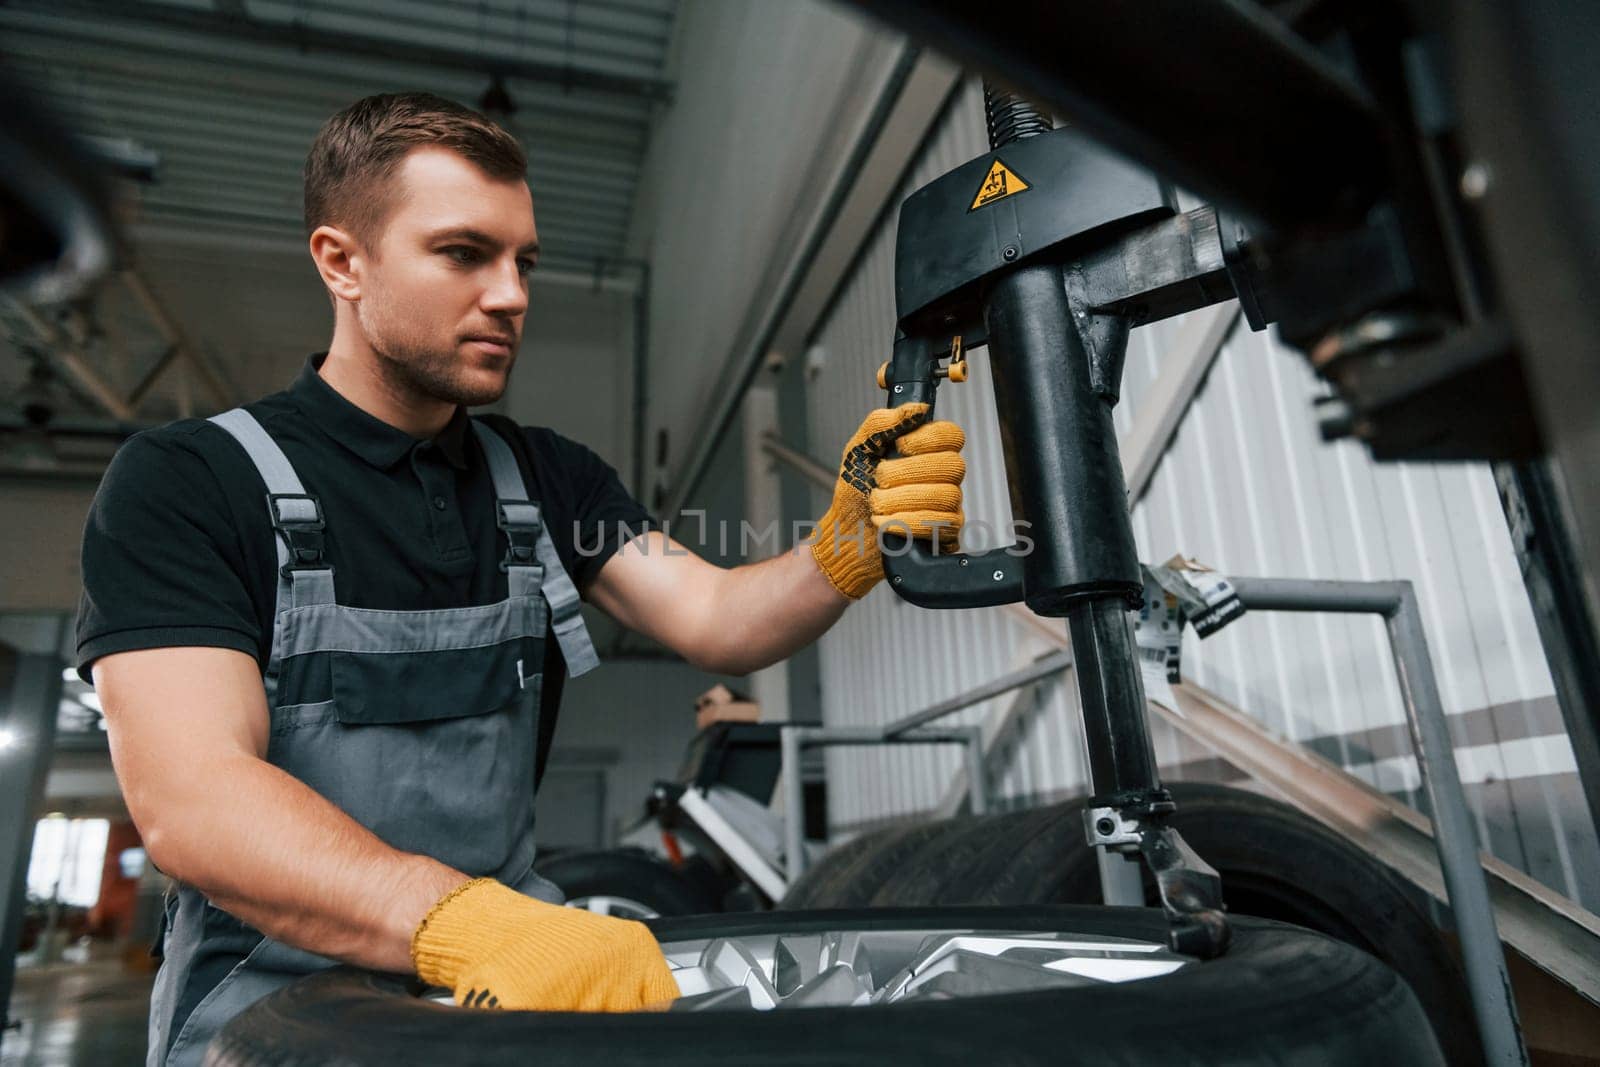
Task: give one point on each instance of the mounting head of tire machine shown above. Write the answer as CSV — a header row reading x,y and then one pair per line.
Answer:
x,y
1049,250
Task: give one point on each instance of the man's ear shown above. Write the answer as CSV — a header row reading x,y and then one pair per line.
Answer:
x,y
338,257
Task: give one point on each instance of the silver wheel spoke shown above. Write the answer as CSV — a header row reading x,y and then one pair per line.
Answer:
x,y
621,907
860,967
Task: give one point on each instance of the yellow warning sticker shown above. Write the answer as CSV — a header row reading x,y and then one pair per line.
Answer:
x,y
999,183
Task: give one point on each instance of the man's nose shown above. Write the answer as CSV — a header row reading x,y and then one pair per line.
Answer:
x,y
507,292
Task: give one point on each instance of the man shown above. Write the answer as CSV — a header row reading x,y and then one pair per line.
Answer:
x,y
329,629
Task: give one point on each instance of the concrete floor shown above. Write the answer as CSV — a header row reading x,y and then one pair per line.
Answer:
x,y
77,1015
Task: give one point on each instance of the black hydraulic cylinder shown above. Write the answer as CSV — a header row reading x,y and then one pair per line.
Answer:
x,y
1111,692
1061,455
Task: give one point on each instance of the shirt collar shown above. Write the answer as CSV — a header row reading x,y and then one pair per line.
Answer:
x,y
369,437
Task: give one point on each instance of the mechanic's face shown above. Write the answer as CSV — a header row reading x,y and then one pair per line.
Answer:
x,y
446,284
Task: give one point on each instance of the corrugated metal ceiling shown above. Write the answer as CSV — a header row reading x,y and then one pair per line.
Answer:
x,y
230,93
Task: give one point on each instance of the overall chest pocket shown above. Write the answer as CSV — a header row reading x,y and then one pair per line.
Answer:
x,y
397,667
419,687
420,725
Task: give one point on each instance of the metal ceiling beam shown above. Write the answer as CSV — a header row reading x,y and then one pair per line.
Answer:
x,y
147,54
177,338
297,36
153,375
88,85
67,354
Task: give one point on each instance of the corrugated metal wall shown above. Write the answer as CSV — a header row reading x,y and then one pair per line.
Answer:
x,y
1249,488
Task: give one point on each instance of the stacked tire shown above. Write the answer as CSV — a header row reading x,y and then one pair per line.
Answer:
x,y
1275,863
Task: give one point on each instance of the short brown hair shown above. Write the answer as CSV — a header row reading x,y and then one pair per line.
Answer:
x,y
357,151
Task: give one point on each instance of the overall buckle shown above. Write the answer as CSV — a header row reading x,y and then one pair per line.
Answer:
x,y
299,521
520,521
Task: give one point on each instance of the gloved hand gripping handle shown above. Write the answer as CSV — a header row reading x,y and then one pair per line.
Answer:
x,y
918,571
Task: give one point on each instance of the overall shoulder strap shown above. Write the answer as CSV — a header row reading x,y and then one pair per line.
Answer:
x,y
530,541
304,577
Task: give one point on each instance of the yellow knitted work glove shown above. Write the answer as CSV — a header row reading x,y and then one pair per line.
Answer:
x,y
495,948
918,493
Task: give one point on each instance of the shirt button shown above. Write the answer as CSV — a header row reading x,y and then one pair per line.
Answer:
x,y
438,502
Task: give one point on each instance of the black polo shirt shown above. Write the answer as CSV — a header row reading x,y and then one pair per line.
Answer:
x,y
179,549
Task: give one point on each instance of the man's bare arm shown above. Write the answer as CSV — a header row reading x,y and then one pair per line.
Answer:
x,y
729,621
188,730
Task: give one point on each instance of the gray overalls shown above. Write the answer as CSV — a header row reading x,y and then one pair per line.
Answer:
x,y
420,725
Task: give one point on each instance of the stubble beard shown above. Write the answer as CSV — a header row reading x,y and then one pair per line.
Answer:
x,y
415,369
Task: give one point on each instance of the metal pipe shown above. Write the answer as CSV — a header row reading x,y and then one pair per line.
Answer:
x,y
977,772
794,801
1558,935
1044,667
825,736
756,352
1487,978
792,739
996,737
641,377
1311,594
1116,725
819,474
30,722
1488,981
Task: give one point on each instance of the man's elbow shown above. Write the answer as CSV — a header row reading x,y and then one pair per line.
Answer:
x,y
175,840
160,848
722,661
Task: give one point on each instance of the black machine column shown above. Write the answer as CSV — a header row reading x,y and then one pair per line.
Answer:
x,y
1066,482
1060,446
1024,250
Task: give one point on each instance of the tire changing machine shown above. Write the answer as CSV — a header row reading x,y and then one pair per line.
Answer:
x,y
1049,250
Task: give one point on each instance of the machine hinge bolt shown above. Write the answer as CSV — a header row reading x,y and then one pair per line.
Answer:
x,y
1105,827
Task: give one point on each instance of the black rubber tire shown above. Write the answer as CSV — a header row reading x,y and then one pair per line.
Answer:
x,y
630,874
1275,863
966,864
1280,995
854,882
812,888
712,881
